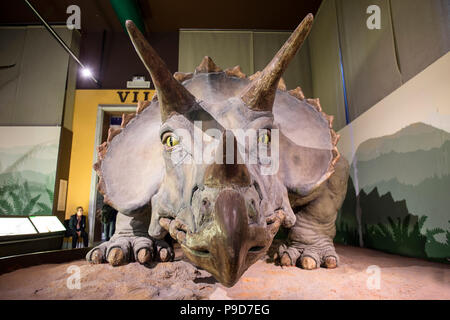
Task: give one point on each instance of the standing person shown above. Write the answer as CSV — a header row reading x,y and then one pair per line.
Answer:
x,y
109,215
77,226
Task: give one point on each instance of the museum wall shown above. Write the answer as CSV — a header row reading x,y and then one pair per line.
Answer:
x,y
412,35
37,85
33,77
325,61
399,151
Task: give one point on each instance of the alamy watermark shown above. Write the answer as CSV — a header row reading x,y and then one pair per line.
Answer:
x,y
74,20
74,280
251,147
373,282
374,20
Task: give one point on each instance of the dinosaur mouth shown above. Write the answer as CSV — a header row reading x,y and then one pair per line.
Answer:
x,y
200,252
204,253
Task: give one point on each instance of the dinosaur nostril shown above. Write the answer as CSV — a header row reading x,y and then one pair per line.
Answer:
x,y
252,212
204,212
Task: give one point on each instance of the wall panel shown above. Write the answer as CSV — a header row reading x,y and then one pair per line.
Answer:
x,y
422,33
369,57
226,48
326,73
32,92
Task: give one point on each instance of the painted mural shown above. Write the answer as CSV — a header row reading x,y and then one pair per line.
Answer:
x,y
403,203
28,160
398,197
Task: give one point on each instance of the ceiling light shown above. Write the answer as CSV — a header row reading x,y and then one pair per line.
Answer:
x,y
86,72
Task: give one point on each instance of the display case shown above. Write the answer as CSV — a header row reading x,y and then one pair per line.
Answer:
x,y
19,234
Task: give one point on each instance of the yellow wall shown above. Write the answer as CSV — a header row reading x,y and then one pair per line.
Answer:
x,y
84,123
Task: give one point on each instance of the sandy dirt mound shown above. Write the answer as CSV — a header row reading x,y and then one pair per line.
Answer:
x,y
400,278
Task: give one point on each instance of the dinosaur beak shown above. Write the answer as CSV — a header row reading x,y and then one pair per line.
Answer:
x,y
232,244
228,247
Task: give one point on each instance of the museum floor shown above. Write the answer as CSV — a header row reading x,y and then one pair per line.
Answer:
x,y
401,278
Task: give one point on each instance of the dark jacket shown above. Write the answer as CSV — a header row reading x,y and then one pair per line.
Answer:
x,y
108,214
73,223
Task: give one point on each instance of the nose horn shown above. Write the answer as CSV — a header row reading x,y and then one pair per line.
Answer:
x,y
230,243
229,172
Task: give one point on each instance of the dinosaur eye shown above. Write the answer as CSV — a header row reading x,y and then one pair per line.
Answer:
x,y
169,140
264,137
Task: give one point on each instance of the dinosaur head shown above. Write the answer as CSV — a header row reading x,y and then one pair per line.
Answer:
x,y
214,176
218,204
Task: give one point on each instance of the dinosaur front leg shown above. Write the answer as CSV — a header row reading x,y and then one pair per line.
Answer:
x,y
310,241
131,242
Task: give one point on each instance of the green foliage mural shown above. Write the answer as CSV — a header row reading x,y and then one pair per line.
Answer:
x,y
28,160
403,198
346,223
436,249
16,199
397,232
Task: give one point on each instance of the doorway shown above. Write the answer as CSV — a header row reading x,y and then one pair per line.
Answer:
x,y
108,116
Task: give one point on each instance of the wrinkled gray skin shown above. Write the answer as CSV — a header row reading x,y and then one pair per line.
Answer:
x,y
223,224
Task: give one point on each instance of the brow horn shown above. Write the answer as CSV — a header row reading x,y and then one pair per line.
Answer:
x,y
259,95
172,96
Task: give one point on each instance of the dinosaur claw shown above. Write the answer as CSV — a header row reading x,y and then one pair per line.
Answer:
x,y
164,255
144,256
285,260
330,263
308,263
116,257
97,257
164,251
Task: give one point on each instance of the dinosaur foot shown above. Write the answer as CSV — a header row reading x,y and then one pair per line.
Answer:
x,y
308,257
121,250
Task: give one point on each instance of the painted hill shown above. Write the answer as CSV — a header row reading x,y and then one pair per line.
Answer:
x,y
403,197
42,158
409,168
411,138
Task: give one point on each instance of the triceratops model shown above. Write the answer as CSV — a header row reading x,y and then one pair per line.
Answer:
x,y
224,212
